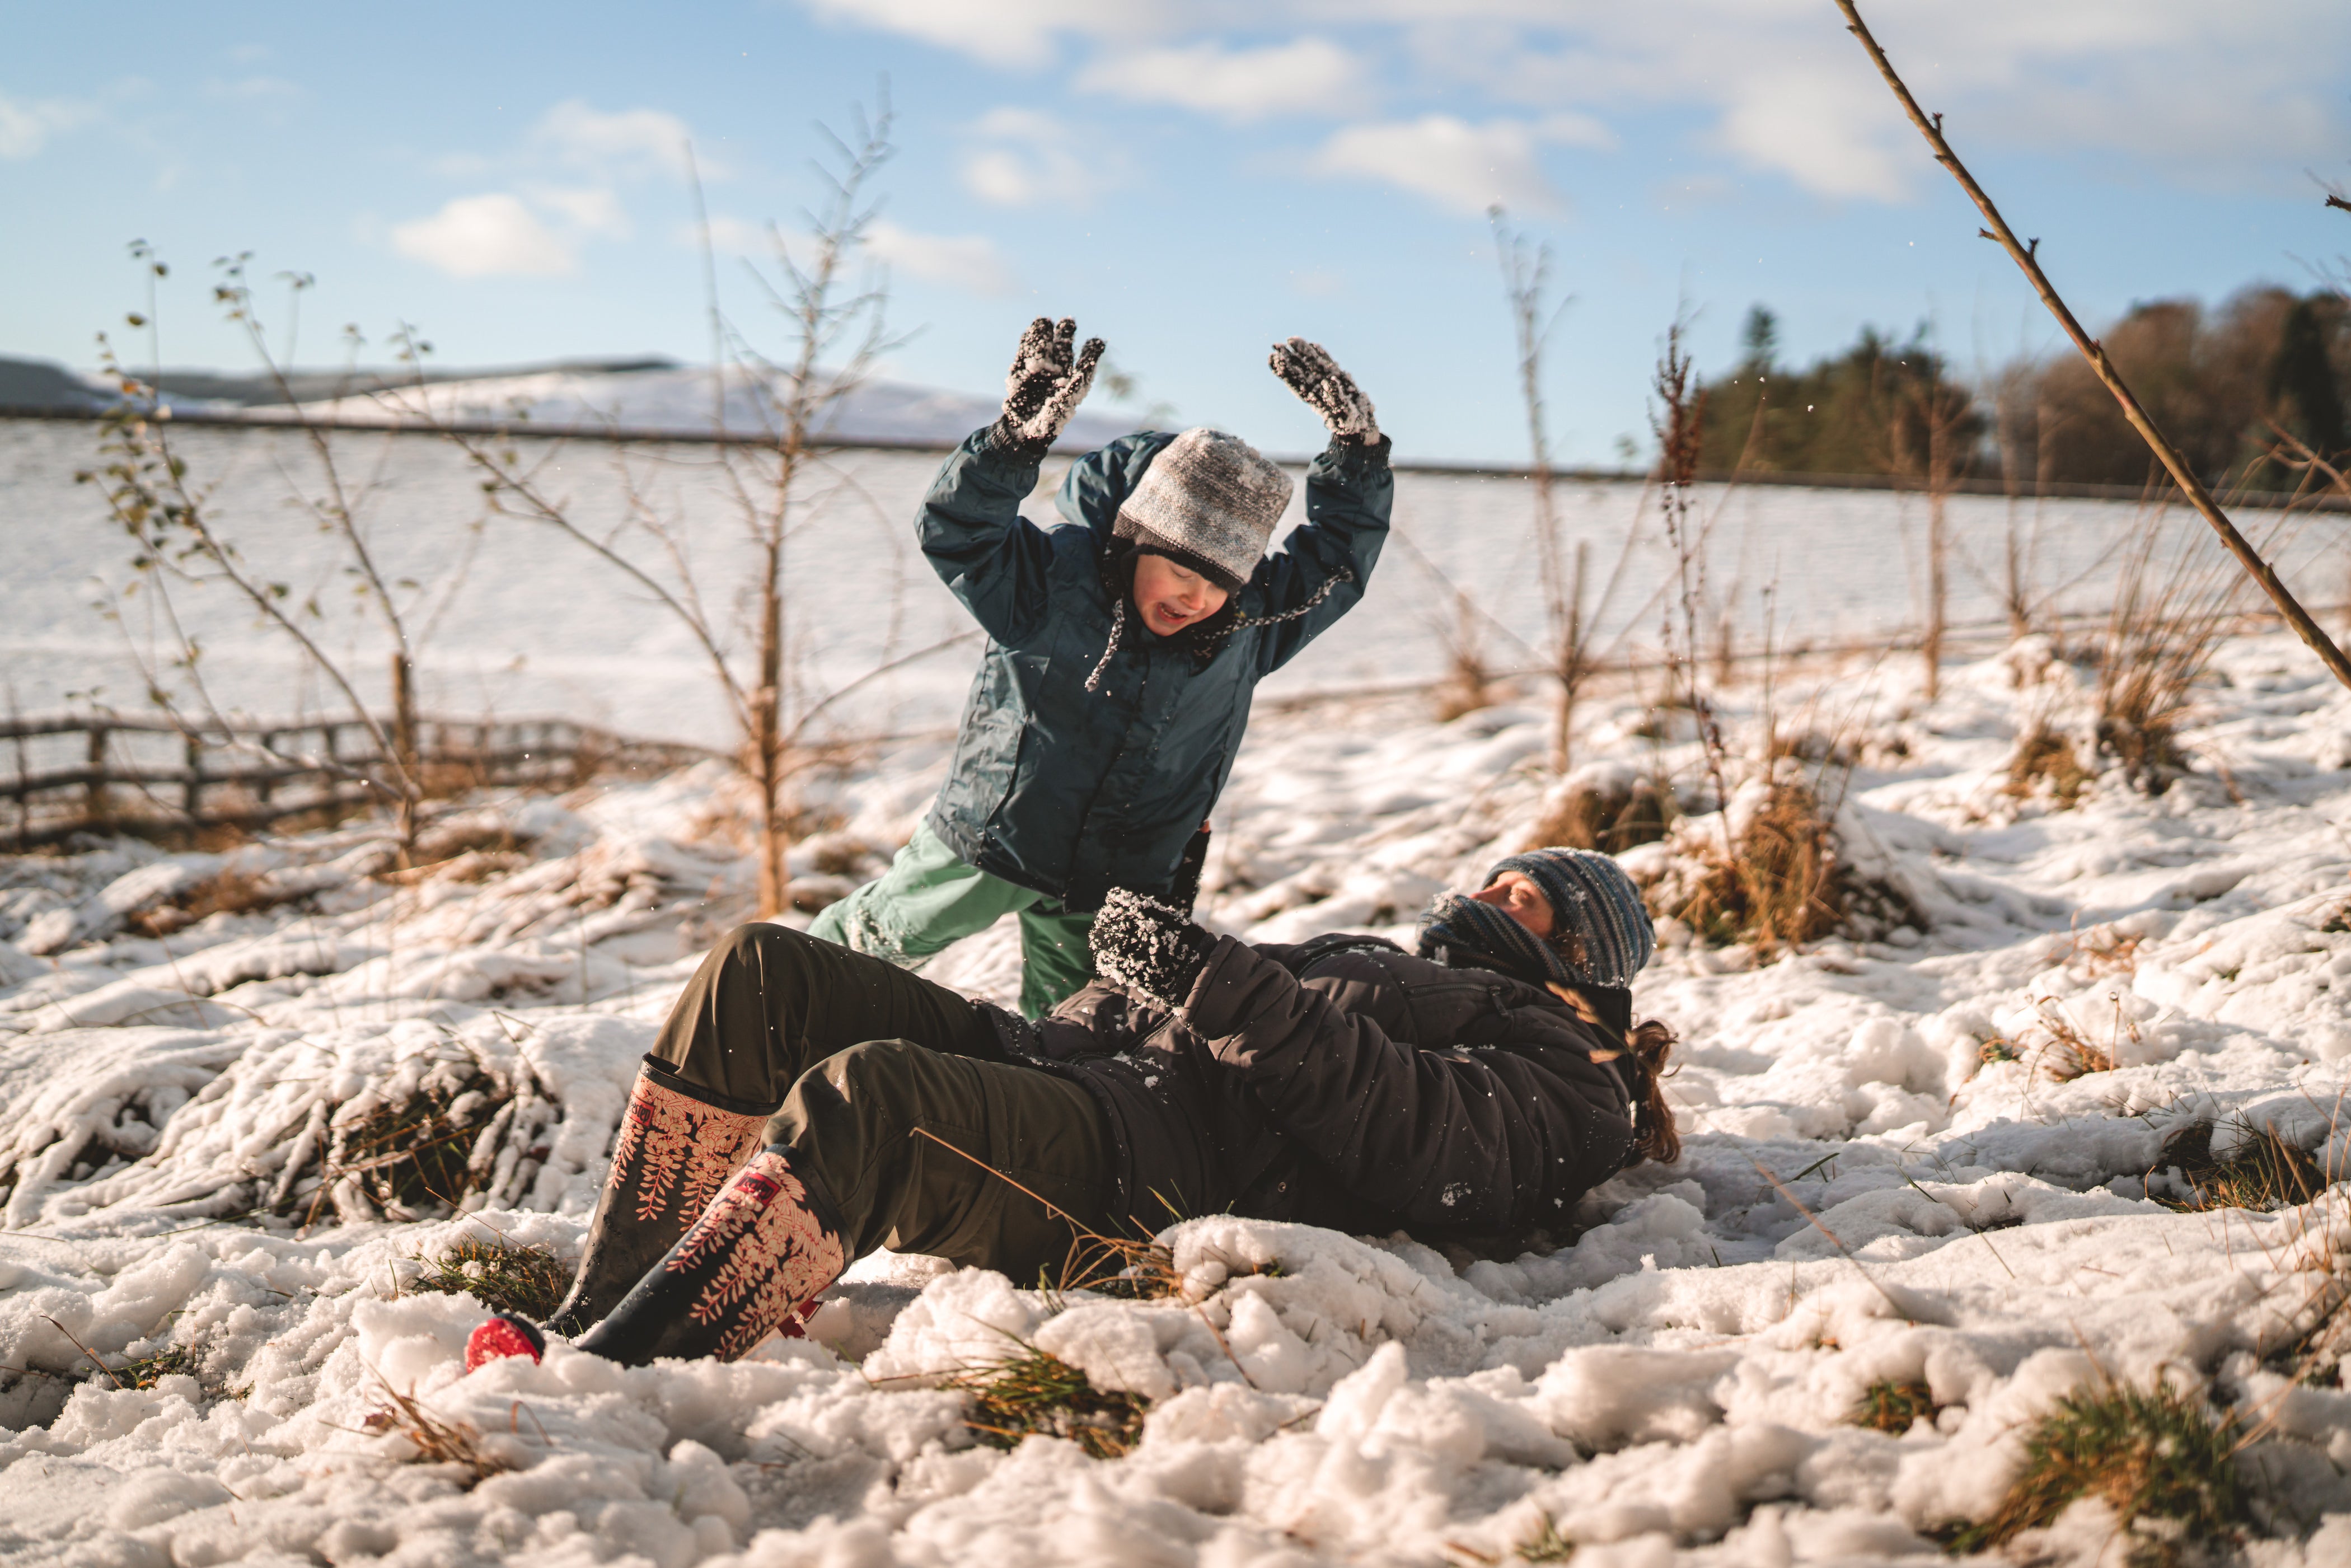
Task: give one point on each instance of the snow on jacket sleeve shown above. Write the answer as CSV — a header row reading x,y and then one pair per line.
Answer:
x,y
990,556
1349,495
1487,1136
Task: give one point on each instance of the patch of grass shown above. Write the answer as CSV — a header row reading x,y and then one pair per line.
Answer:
x,y
149,1370
1781,883
1037,1393
436,1442
2160,636
2339,923
529,1280
2159,1459
1891,1407
2068,1053
1546,1544
2263,1171
1607,814
225,892
1998,1048
410,1158
2046,762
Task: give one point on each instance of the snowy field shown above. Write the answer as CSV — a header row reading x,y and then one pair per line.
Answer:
x,y
518,622
1894,1173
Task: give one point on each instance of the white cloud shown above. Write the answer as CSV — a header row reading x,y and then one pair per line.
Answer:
x,y
25,126
488,235
728,235
592,209
1000,32
629,142
1461,167
1024,158
970,262
1789,92
1306,76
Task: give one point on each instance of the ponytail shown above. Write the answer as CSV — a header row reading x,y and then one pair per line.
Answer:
x,y
1650,1043
1654,1136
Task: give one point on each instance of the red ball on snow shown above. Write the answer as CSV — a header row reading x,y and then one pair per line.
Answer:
x,y
504,1335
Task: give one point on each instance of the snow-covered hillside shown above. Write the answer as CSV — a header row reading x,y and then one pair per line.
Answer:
x,y
678,400
1897,1173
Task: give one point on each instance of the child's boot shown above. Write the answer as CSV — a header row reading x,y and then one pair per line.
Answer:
x,y
676,1148
759,1253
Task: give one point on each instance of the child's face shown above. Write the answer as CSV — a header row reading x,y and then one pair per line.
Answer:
x,y
1172,596
1515,894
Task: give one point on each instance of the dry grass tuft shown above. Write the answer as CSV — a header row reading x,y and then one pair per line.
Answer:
x,y
223,893
506,1279
1037,1393
2046,764
2068,1053
2264,1171
1607,812
436,1442
1891,1407
2158,640
1780,883
2159,1459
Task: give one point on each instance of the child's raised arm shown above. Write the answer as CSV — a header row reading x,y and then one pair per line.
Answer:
x,y
970,526
1321,569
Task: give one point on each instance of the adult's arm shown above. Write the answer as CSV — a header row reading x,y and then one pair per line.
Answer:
x,y
1350,493
970,526
1461,1139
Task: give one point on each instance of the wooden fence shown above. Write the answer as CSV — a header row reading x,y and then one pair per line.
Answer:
x,y
108,773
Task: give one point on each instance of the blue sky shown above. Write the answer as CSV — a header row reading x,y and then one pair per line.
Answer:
x,y
1190,181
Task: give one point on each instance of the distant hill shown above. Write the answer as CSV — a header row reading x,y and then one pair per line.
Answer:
x,y
641,396
38,385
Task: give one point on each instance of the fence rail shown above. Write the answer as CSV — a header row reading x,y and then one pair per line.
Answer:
x,y
66,774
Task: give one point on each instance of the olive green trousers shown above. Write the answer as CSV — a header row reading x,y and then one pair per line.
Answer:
x,y
894,1097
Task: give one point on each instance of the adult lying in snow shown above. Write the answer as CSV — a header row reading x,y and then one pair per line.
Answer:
x,y
1471,1093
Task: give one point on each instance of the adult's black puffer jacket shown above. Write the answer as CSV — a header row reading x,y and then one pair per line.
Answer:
x,y
1369,1091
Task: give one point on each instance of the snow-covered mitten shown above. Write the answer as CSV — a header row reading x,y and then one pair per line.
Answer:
x,y
1308,370
676,1147
764,1247
1047,382
1148,946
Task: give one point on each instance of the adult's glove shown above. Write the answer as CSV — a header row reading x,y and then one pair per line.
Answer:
x,y
1148,946
1046,384
1308,370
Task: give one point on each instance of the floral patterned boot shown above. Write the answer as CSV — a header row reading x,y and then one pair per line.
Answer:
x,y
759,1253
677,1146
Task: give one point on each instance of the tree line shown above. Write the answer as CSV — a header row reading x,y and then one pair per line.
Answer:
x,y
2224,383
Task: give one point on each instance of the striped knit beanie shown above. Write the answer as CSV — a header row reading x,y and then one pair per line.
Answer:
x,y
1592,899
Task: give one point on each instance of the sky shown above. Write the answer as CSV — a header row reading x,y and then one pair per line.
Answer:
x,y
1191,181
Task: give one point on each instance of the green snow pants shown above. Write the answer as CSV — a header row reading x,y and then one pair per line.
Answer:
x,y
929,899
894,1096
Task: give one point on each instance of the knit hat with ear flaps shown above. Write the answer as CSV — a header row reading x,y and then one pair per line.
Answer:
x,y
1591,898
1210,501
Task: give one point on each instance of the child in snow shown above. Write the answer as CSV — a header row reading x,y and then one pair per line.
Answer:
x,y
1123,651
1471,1094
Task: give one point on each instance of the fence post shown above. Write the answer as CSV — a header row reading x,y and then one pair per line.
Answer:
x,y
24,797
192,800
94,802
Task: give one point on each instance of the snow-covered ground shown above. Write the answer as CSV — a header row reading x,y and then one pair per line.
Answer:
x,y
1889,1176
